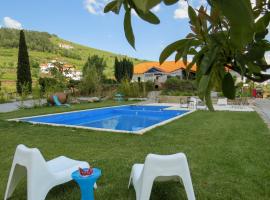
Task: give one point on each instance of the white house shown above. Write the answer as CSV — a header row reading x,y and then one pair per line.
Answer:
x,y
46,68
153,71
68,70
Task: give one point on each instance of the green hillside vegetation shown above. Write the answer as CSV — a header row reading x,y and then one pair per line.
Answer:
x,y
44,47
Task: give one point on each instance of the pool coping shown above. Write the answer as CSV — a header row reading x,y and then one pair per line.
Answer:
x,y
139,132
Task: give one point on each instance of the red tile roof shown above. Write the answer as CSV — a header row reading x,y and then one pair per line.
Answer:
x,y
167,67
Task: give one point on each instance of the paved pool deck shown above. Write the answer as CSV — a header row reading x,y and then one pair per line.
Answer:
x,y
13,106
262,106
232,108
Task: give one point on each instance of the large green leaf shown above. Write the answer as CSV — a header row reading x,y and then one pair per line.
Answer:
x,y
228,87
203,86
170,2
253,68
261,27
113,6
192,16
208,59
208,100
145,5
148,16
128,29
240,16
180,45
262,23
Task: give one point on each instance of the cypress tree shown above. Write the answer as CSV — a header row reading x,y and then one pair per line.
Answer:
x,y
24,79
123,70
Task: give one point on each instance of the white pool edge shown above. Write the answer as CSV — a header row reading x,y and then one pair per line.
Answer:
x,y
139,132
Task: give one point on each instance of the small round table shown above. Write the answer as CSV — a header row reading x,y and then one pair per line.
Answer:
x,y
86,183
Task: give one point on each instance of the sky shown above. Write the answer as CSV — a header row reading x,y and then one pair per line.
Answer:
x,y
83,22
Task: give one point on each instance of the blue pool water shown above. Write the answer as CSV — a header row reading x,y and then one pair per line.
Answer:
x,y
131,118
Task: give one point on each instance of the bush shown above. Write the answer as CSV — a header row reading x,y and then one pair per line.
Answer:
x,y
91,82
134,89
175,87
123,70
70,54
149,85
46,84
73,83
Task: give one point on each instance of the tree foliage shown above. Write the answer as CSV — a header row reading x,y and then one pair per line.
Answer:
x,y
95,62
123,70
38,41
91,82
231,35
24,79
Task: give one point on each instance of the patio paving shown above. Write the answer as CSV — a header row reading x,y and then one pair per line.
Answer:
x,y
12,106
234,108
262,106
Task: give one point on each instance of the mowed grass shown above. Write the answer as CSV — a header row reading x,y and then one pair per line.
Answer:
x,y
228,154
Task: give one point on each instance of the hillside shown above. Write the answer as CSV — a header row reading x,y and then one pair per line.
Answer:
x,y
44,47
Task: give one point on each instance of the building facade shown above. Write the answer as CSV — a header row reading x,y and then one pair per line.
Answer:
x,y
153,71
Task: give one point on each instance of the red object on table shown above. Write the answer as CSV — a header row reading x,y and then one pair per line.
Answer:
x,y
85,172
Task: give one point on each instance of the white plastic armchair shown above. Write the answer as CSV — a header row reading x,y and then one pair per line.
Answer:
x,y
41,175
222,102
160,168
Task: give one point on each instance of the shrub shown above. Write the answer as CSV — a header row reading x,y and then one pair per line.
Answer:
x,y
47,84
73,83
91,82
149,85
123,70
132,89
175,83
95,62
175,87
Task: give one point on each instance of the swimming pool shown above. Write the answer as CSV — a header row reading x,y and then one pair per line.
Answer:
x,y
131,118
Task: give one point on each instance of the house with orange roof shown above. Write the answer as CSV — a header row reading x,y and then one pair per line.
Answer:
x,y
153,71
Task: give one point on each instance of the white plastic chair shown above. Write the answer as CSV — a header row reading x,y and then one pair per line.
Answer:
x,y
222,102
193,102
160,168
41,175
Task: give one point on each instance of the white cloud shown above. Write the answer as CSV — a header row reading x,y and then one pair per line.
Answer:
x,y
156,8
11,23
95,6
182,11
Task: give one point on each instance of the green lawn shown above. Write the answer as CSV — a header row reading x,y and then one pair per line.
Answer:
x,y
228,154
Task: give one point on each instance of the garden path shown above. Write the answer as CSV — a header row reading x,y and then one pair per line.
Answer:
x,y
12,106
262,106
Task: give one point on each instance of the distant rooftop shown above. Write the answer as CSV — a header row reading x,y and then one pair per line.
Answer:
x,y
167,67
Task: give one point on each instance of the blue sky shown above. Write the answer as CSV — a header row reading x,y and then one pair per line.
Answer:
x,y
83,22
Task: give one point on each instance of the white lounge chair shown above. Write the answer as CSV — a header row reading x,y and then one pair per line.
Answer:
x,y
222,102
160,168
41,175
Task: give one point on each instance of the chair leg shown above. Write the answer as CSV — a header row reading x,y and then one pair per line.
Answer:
x,y
36,190
146,189
17,172
130,178
188,184
129,182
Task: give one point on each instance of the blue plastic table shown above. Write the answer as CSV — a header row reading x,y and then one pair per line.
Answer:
x,y
86,183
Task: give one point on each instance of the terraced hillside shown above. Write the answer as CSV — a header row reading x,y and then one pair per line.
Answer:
x,y
44,47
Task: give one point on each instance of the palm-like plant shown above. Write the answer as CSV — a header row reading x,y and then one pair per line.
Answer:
x,y
230,37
